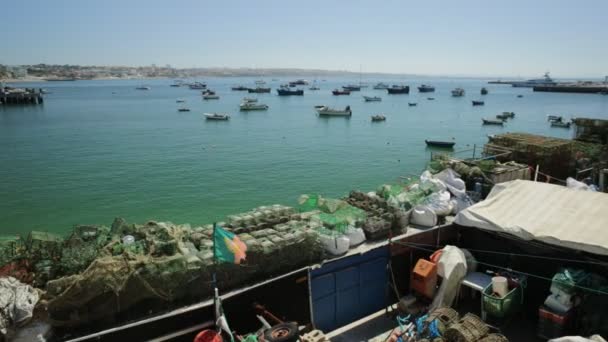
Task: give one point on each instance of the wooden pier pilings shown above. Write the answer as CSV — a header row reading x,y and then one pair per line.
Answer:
x,y
21,96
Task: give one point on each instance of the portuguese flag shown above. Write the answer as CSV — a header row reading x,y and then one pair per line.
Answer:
x,y
227,247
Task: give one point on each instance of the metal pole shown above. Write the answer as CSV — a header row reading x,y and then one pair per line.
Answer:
x,y
536,173
474,147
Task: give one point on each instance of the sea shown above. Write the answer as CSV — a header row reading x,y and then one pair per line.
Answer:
x,y
101,149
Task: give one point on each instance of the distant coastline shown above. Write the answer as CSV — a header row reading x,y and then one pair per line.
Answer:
x,y
42,72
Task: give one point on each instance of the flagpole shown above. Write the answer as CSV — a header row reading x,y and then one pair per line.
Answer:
x,y
214,279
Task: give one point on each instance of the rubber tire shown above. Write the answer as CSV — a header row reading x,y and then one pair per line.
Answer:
x,y
292,333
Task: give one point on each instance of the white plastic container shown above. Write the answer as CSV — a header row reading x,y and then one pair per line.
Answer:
x,y
500,285
128,239
356,236
554,303
335,245
423,216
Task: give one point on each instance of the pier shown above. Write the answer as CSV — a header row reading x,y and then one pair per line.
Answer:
x,y
588,88
9,95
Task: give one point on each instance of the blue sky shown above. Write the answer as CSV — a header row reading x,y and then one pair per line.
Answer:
x,y
477,37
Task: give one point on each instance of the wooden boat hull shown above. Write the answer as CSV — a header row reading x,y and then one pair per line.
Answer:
x,y
213,117
324,111
400,90
444,144
492,122
258,90
288,92
250,108
337,92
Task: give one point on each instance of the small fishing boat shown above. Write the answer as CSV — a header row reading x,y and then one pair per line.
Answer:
x,y
326,111
378,117
458,92
175,85
299,82
554,118
372,98
258,90
484,91
477,103
183,109
492,122
437,143
520,96
340,92
425,88
314,87
143,88
252,106
197,85
211,97
180,101
319,106
285,91
560,124
351,87
397,89
381,86
216,116
412,104
249,100
260,82
505,115
208,92
239,88
430,98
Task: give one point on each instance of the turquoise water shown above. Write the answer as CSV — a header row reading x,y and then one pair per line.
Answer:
x,y
100,149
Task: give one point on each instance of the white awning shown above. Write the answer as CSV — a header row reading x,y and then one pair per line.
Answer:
x,y
544,212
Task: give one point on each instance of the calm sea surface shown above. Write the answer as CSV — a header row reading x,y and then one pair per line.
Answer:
x,y
100,149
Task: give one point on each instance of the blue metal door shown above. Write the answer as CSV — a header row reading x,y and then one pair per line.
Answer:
x,y
348,289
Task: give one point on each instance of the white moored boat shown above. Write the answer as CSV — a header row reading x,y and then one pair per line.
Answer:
x,y
458,92
381,85
211,97
253,106
249,100
326,111
216,116
372,98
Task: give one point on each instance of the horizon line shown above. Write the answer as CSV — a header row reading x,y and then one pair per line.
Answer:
x,y
300,69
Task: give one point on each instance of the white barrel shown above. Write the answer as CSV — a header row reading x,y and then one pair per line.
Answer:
x,y
500,285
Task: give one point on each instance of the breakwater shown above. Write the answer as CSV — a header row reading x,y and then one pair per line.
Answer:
x,y
593,88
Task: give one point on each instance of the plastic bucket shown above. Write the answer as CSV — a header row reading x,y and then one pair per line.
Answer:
x,y
500,285
208,336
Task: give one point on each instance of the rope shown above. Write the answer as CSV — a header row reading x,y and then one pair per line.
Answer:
x,y
517,254
515,271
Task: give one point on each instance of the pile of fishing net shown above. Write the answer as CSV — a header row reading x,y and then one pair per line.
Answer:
x,y
163,265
